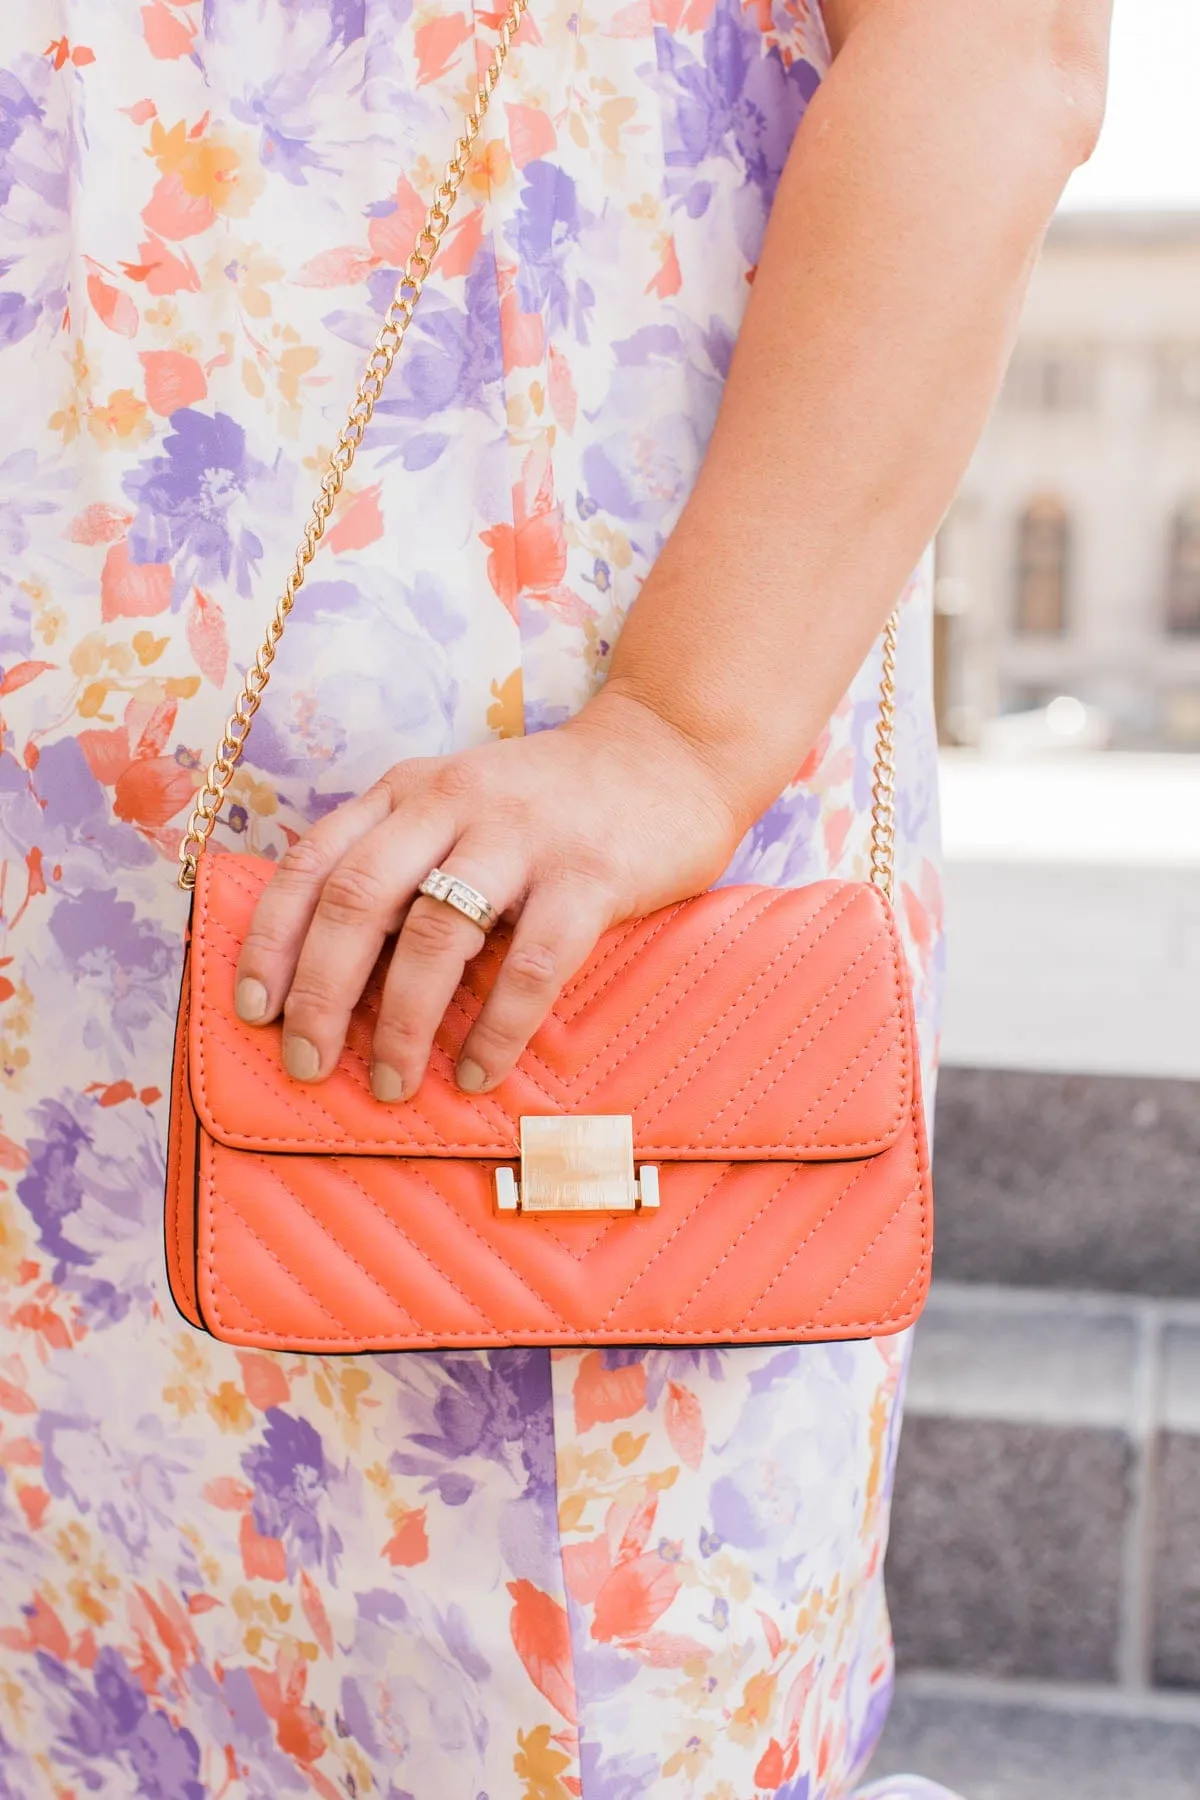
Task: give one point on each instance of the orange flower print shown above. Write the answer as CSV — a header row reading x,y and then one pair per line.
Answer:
x,y
530,555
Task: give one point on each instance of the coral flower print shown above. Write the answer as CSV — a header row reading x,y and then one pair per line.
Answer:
x,y
525,1575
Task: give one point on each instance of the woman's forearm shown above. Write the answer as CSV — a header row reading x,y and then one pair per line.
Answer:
x,y
882,313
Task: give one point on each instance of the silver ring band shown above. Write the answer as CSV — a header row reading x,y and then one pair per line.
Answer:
x,y
451,890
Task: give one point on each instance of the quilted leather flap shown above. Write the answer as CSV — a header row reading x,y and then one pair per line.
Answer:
x,y
750,1023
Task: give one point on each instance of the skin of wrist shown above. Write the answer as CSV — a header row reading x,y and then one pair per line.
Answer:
x,y
642,716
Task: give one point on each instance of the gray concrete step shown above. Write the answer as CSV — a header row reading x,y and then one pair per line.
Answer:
x,y
1007,1741
1072,1181
1046,1518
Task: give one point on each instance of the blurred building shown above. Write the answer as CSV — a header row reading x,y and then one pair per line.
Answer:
x,y
1070,563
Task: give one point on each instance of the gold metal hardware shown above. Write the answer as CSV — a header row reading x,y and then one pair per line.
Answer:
x,y
211,796
577,1164
883,783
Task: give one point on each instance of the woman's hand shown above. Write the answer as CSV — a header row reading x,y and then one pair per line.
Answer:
x,y
566,832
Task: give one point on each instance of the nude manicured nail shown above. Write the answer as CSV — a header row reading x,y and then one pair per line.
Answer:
x,y
386,1085
470,1076
250,1000
301,1059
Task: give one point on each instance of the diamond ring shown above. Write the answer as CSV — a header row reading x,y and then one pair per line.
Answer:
x,y
451,890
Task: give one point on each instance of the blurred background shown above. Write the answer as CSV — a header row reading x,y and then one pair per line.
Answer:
x,y
1045,1563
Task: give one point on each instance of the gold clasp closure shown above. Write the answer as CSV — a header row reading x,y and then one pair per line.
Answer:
x,y
577,1164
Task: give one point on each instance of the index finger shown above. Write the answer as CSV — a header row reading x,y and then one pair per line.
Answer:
x,y
271,947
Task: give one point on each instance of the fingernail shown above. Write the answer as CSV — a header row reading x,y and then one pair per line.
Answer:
x,y
300,1059
471,1078
250,1001
386,1085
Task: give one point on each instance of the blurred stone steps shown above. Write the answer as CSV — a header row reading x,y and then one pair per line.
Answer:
x,y
1009,1741
1069,1181
1046,1519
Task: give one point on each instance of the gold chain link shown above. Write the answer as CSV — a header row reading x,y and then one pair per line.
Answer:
x,y
883,784
392,334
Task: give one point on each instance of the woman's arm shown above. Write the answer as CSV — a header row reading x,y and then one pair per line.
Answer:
x,y
895,264
898,250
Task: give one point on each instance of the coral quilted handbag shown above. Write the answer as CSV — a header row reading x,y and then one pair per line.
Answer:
x,y
716,1136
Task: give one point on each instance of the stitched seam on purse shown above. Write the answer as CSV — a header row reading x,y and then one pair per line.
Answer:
x,y
656,998
865,1253
598,1334
721,1172
716,1023
811,1234
494,1253
798,1026
906,1082
760,1094
570,1082
244,1305
676,997
423,1255
220,1285
569,992
343,1137
751,1223
863,1078
339,1134
281,1099
325,1231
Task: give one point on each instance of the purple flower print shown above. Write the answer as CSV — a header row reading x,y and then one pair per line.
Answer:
x,y
290,1476
189,500
781,848
452,359
489,1406
109,1459
367,677
104,944
34,178
91,1189
113,1725
27,491
740,102
278,108
52,1188
347,21
628,1777
548,222
18,316
735,1517
17,1776
18,108
62,810
870,1727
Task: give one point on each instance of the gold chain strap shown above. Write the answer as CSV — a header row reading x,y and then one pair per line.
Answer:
x,y
883,782
392,334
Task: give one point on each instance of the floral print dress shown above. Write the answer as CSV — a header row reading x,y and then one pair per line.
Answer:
x,y
514,1576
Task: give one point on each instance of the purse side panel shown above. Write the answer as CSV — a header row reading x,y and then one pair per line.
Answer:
x,y
182,1150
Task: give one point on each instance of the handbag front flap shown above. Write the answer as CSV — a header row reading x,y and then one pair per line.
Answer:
x,y
750,1023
